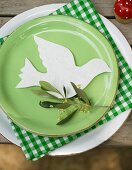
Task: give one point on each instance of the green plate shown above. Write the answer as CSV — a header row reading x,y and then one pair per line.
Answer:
x,y
85,42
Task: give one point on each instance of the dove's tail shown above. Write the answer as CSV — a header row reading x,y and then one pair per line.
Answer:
x,y
29,75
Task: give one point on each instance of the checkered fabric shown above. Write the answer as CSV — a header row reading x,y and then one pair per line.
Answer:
x,y
2,40
35,146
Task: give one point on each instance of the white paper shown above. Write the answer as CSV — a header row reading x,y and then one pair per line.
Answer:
x,y
61,68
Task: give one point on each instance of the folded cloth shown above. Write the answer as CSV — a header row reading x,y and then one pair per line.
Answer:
x,y
35,146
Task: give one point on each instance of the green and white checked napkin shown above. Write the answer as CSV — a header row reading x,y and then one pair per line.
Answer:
x,y
35,146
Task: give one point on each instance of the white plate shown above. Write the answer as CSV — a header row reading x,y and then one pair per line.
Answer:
x,y
95,137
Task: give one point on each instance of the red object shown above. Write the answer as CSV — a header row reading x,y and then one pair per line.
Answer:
x,y
123,9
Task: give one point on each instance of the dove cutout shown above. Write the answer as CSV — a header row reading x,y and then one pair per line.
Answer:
x,y
61,69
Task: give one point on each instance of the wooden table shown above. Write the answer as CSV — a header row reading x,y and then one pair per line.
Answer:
x,y
10,8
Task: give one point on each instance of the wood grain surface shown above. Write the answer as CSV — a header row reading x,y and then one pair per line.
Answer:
x,y
13,7
10,8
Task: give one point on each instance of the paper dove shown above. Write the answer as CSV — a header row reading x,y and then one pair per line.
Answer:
x,y
61,69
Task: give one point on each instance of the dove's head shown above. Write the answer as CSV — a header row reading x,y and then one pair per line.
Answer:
x,y
54,55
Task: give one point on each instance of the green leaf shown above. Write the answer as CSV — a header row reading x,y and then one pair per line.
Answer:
x,y
48,87
40,92
67,114
45,94
62,105
81,93
47,104
64,89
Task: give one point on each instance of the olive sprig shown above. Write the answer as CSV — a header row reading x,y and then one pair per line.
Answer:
x,y
67,106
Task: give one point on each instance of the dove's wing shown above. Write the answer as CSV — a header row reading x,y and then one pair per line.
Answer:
x,y
53,55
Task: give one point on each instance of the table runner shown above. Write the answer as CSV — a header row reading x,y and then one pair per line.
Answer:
x,y
35,146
